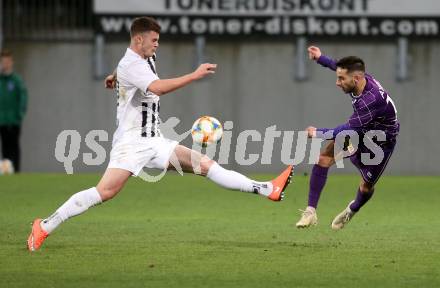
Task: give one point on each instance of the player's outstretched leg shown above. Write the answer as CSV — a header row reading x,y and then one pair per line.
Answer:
x,y
76,205
318,179
110,184
194,162
273,190
364,194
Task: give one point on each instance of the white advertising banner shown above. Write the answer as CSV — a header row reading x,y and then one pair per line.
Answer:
x,y
364,18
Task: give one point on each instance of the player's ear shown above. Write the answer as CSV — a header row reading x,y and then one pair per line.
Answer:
x,y
356,78
138,39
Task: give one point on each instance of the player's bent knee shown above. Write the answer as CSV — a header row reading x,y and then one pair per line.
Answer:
x,y
205,164
366,187
325,161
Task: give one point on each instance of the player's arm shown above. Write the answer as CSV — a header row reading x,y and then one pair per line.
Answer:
x,y
328,133
335,131
164,86
110,81
357,120
316,55
367,110
365,113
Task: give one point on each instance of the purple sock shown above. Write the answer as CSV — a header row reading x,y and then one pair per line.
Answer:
x,y
361,199
317,182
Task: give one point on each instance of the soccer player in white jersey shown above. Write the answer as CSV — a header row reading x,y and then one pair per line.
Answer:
x,y
138,143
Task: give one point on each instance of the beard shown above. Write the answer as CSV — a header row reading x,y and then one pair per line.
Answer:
x,y
349,89
148,53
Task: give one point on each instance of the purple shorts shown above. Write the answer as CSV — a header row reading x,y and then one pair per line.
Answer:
x,y
372,173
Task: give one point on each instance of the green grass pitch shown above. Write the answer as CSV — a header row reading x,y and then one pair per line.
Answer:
x,y
187,232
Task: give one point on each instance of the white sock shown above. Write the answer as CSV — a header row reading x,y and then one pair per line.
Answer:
x,y
311,209
235,181
77,204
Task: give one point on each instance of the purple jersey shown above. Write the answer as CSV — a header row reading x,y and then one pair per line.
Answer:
x,y
373,109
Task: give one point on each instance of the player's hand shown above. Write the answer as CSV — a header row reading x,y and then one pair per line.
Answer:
x,y
110,81
204,70
311,131
314,52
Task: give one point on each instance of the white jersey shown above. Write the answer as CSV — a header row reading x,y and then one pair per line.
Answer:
x,y
138,108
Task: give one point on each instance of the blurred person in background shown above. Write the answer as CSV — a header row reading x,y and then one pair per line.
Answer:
x,y
13,103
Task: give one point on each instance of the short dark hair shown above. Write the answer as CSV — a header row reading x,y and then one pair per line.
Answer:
x,y
144,24
6,53
351,63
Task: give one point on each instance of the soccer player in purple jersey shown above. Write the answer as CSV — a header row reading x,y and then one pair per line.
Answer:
x,y
374,110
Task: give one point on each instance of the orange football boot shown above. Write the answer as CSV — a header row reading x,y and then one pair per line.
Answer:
x,y
280,184
37,236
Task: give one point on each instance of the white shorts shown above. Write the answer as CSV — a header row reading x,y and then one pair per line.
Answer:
x,y
133,155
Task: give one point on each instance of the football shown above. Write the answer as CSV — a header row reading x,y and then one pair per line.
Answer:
x,y
206,130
